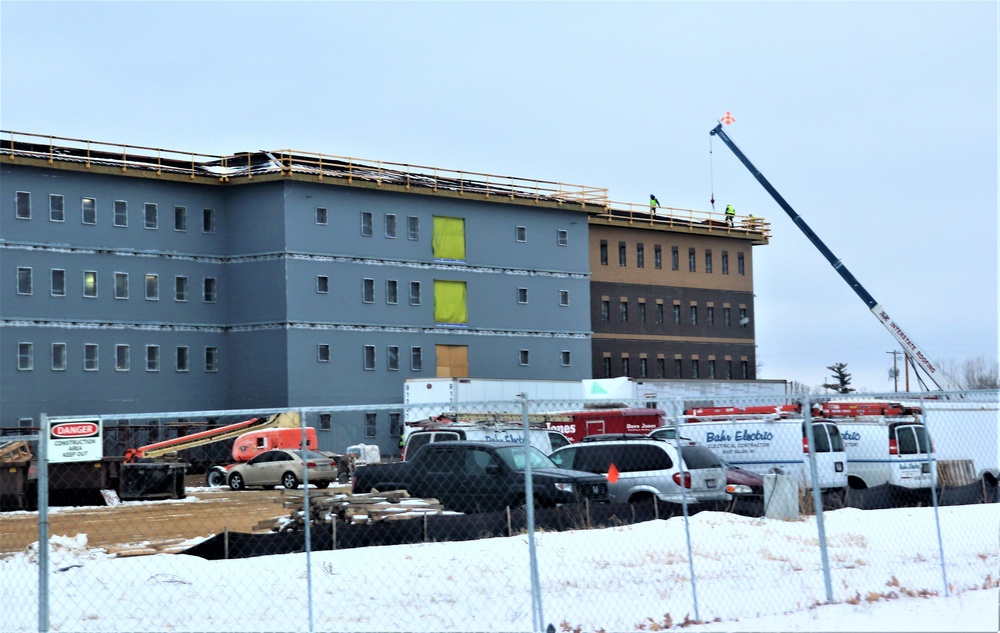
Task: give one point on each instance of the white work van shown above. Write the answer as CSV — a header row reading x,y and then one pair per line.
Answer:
x,y
774,444
885,450
545,440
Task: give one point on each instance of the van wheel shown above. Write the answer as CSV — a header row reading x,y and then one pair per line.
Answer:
x,y
856,483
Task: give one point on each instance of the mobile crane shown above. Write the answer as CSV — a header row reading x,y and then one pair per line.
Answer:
x,y
914,354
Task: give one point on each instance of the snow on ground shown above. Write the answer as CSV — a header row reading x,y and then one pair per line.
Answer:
x,y
751,575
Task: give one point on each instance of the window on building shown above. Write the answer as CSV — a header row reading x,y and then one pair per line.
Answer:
x,y
562,237
640,255
711,369
710,316
643,368
450,302
694,368
121,213
121,285
661,367
391,291
522,295
180,218
657,257
416,359
604,252
395,424
390,225
180,288
366,224
675,258
90,283
25,356
90,357
323,353
149,215
729,369
623,311
642,312
414,293
677,314
726,317
606,367
740,264
322,284
605,310
183,358
692,263
622,254
320,215
210,291
659,313
625,366
58,357
448,241
564,297
58,283
325,421
371,428
725,262
368,290
745,370
694,315
56,210
369,357
392,358
152,358
413,227
564,358
522,357
24,281
208,220
708,261
520,234
88,210
211,359
744,321
152,287
678,368
121,358
22,202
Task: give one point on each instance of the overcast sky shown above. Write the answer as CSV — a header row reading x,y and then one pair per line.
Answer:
x,y
876,121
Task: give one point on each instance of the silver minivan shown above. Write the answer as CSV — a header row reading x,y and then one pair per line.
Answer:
x,y
640,468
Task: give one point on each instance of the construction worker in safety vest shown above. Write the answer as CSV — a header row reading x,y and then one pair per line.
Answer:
x,y
653,203
730,214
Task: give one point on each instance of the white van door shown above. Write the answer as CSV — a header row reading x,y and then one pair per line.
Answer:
x,y
909,448
831,460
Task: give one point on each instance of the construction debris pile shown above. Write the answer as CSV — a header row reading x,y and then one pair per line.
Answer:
x,y
338,505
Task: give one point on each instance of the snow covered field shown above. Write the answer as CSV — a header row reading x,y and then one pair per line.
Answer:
x,y
751,575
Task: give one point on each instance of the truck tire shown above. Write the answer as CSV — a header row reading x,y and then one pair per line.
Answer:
x,y
216,478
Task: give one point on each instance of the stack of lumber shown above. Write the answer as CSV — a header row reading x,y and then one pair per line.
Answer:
x,y
338,504
956,472
16,451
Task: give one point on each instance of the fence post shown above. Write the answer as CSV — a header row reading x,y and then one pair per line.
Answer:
x,y
684,506
817,497
932,466
538,620
43,524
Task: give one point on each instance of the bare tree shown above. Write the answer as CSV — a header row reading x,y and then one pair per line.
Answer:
x,y
974,373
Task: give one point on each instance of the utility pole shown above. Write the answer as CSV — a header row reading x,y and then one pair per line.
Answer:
x,y
895,368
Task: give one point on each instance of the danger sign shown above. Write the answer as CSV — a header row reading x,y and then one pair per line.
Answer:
x,y
75,440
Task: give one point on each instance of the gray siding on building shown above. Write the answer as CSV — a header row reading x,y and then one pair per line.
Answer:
x,y
264,254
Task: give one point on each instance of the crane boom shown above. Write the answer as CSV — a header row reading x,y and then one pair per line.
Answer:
x,y
913,352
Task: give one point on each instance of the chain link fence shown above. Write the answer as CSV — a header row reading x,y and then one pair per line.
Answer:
x,y
502,516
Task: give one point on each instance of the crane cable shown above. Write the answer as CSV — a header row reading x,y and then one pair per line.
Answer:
x,y
711,172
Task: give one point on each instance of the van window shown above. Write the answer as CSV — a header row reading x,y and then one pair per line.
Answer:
x,y
446,436
696,457
823,438
558,440
416,441
836,439
911,439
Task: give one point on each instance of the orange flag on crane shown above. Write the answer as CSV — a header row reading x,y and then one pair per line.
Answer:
x,y
612,473
728,118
